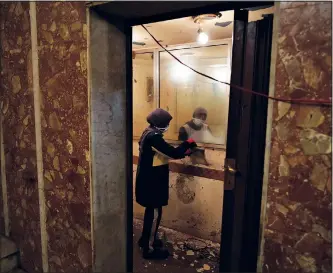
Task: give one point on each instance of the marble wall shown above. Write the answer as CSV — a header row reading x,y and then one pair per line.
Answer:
x,y
299,202
62,41
62,52
17,106
2,217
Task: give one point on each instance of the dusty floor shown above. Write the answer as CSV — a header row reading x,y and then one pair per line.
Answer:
x,y
188,254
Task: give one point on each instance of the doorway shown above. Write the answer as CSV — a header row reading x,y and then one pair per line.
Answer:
x,y
191,223
110,103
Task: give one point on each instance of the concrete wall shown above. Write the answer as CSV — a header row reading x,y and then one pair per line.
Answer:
x,y
108,145
298,220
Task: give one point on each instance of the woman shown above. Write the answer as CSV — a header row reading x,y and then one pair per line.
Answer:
x,y
152,180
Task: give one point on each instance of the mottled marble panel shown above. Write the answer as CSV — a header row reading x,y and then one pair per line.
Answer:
x,y
62,33
17,107
2,217
295,4
299,201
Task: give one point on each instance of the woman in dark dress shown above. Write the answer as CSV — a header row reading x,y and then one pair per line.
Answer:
x,y
152,179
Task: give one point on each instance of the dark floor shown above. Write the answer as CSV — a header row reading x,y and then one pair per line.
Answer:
x,y
188,254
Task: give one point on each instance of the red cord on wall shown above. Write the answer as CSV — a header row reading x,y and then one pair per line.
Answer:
x,y
292,101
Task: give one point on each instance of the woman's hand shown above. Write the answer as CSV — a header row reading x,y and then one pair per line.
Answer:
x,y
192,143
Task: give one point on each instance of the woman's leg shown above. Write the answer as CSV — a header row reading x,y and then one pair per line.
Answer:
x,y
157,243
152,219
147,227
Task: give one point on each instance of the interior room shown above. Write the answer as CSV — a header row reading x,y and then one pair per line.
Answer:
x,y
191,223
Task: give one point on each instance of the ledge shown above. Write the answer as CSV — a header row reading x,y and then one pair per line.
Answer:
x,y
192,170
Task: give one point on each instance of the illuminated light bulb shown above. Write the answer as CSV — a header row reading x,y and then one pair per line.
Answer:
x,y
202,38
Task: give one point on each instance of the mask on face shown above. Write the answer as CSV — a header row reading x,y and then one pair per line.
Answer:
x,y
198,121
163,130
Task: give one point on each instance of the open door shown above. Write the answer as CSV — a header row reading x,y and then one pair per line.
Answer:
x,y
245,144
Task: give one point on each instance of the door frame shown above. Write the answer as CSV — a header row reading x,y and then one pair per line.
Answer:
x,y
128,23
246,148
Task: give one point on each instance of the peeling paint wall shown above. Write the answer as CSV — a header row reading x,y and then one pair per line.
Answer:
x,y
299,203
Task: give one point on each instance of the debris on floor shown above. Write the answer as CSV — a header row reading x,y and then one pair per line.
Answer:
x,y
188,254
195,244
206,267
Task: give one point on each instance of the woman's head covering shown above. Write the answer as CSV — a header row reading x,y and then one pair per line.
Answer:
x,y
199,111
159,118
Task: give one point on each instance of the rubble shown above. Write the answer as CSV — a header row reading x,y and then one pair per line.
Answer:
x,y
206,267
195,244
187,253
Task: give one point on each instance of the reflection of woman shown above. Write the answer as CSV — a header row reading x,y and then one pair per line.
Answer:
x,y
196,128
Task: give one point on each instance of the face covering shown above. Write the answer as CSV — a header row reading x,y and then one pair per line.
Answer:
x,y
162,130
198,121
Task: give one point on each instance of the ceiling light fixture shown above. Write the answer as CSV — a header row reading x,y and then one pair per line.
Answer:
x,y
202,37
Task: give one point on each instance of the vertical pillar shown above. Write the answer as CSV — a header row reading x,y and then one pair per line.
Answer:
x,y
61,32
109,137
19,162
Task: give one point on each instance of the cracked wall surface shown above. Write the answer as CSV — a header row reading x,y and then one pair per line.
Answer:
x,y
299,202
108,144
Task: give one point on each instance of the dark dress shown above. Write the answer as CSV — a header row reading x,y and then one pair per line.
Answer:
x,y
152,178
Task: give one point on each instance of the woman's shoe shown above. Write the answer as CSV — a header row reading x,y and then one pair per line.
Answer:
x,y
155,254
